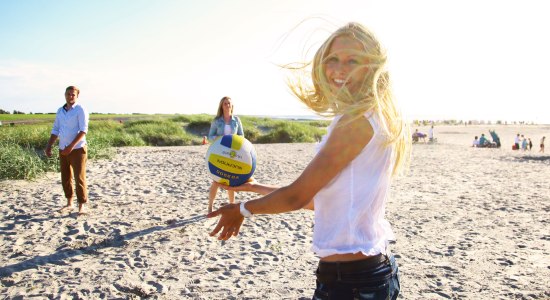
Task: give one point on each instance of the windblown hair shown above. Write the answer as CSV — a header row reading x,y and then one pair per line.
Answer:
x,y
220,107
374,94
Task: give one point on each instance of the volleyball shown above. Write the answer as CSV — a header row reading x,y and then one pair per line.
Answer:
x,y
231,160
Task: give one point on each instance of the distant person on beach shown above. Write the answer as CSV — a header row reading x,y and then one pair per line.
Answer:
x,y
542,144
523,143
350,234
516,142
416,136
530,144
431,134
495,137
224,123
483,141
71,126
475,143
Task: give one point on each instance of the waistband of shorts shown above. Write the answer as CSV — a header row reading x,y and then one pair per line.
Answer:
x,y
352,266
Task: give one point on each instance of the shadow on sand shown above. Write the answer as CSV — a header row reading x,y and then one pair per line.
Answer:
x,y
26,218
529,158
116,240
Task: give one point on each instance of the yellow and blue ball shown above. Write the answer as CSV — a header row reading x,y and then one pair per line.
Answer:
x,y
231,160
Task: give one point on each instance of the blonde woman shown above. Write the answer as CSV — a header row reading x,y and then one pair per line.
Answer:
x,y
224,123
365,145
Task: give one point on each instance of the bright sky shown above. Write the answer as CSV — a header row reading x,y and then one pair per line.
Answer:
x,y
467,59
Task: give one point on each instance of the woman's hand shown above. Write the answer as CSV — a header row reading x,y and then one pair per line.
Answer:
x,y
230,220
248,186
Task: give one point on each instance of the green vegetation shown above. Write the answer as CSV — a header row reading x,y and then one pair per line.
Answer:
x,y
22,145
49,117
17,162
161,133
5,118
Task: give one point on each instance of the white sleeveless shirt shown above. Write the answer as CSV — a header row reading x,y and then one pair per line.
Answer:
x,y
349,211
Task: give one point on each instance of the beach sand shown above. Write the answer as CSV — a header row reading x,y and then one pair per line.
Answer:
x,y
470,224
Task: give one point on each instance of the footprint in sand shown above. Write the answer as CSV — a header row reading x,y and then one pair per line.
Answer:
x,y
72,231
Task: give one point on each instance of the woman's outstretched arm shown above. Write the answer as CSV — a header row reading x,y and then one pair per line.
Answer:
x,y
346,141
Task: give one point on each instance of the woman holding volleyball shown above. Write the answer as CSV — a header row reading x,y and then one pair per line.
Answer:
x,y
224,123
366,144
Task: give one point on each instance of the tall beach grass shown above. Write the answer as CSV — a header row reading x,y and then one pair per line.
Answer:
x,y
22,146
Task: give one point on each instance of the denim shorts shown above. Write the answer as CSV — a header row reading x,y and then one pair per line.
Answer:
x,y
376,277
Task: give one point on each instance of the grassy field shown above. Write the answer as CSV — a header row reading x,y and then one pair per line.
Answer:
x,y
6,119
22,144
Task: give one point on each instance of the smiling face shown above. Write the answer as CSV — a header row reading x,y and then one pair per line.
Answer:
x,y
344,65
70,97
227,107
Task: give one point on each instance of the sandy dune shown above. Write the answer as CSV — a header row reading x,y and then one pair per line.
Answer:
x,y
470,224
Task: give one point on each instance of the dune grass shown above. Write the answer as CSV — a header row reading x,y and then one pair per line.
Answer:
x,y
17,162
22,146
49,117
291,133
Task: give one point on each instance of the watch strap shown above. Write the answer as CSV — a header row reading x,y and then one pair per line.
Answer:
x,y
245,212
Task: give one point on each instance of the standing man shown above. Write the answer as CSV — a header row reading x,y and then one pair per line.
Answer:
x,y
71,126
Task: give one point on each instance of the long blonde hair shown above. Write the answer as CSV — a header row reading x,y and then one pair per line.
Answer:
x,y
219,114
374,94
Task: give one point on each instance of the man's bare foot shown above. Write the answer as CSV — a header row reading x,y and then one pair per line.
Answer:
x,y
81,211
69,206
66,208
